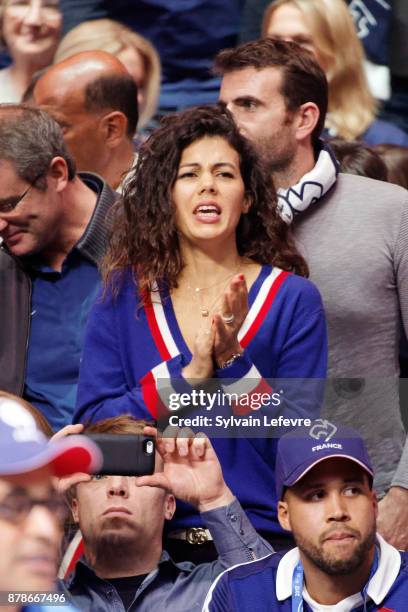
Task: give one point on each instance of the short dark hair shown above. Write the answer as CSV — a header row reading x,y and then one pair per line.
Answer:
x,y
30,139
125,424
302,78
396,160
358,158
116,92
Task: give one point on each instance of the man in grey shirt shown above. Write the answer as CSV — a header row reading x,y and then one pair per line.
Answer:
x,y
353,234
121,521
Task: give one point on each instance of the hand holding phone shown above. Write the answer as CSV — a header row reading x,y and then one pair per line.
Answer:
x,y
126,454
191,469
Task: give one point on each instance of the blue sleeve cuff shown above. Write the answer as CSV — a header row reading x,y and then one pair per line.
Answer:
x,y
232,530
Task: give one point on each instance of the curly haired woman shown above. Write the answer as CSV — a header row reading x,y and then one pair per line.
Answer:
x,y
199,285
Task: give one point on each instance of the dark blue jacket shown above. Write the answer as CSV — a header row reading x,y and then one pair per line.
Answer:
x,y
266,585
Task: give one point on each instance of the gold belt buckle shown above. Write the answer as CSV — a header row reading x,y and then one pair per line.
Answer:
x,y
196,535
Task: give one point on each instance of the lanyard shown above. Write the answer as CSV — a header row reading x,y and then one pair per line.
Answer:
x,y
297,588
297,584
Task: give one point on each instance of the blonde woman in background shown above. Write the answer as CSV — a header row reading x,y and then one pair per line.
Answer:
x,y
134,51
326,28
30,31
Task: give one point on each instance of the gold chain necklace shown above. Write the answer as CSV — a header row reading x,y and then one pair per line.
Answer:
x,y
197,292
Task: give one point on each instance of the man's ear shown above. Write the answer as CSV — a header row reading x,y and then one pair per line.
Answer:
x,y
169,506
306,119
283,515
114,126
74,509
58,172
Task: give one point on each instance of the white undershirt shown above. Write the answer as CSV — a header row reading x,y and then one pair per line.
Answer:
x,y
345,605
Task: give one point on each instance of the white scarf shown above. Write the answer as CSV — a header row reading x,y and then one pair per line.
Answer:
x,y
311,187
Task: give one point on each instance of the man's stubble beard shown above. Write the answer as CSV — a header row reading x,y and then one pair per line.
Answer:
x,y
111,545
275,157
334,566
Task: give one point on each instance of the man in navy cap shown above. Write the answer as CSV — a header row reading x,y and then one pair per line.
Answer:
x,y
324,487
31,512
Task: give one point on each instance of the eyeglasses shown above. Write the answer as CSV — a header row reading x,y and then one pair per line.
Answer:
x,y
17,505
9,204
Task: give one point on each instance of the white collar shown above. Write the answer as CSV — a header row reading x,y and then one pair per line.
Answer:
x,y
284,574
387,572
379,585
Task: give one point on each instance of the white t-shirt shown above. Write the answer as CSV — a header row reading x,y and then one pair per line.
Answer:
x,y
345,605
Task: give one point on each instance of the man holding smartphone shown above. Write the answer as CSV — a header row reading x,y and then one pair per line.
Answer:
x,y
121,519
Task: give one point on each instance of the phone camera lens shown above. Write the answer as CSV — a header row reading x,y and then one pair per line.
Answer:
x,y
149,447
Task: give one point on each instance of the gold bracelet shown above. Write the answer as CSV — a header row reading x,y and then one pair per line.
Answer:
x,y
229,361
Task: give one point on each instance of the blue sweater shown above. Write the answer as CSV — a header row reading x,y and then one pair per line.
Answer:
x,y
127,350
384,132
265,585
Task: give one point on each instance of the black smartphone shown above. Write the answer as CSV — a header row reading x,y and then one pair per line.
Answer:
x,y
126,455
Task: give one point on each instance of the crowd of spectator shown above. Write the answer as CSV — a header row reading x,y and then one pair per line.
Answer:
x,y
183,216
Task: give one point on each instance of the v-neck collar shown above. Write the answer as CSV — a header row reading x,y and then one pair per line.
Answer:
x,y
166,330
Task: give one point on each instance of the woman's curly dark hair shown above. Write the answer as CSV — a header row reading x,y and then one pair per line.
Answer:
x,y
144,234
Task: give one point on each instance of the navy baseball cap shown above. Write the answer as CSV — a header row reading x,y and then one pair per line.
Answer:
x,y
304,447
24,448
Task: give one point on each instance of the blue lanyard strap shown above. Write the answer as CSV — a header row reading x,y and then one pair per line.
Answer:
x,y
297,588
297,584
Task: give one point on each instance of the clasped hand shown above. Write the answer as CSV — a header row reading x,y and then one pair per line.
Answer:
x,y
215,344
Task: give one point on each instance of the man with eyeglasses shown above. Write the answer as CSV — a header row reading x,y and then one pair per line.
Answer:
x,y
31,512
53,226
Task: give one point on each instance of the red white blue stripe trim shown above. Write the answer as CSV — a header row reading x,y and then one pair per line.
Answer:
x,y
159,327
163,337
168,349
261,305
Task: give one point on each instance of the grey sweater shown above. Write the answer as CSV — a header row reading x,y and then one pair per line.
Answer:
x,y
355,241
